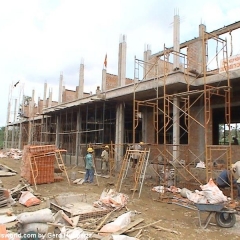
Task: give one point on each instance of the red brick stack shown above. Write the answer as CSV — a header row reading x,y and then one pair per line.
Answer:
x,y
42,159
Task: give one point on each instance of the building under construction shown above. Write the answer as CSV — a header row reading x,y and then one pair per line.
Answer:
x,y
183,103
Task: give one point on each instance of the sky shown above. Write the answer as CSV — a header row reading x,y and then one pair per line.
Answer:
x,y
39,39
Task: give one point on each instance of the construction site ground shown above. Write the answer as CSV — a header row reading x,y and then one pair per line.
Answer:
x,y
177,222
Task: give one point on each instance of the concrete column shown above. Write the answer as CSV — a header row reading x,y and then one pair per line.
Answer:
x,y
6,128
20,136
144,124
202,49
50,98
146,57
57,141
12,140
81,81
64,96
104,80
29,132
45,96
14,120
176,128
60,89
42,129
78,137
31,118
122,62
201,132
38,107
32,104
15,110
196,53
119,139
176,42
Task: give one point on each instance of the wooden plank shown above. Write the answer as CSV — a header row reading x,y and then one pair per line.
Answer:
x,y
6,174
7,168
98,175
123,230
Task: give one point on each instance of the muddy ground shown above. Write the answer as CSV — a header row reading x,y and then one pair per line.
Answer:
x,y
183,221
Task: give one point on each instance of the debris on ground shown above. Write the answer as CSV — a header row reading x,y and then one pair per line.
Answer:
x,y
78,181
112,227
6,171
112,199
16,192
5,198
210,194
28,199
13,153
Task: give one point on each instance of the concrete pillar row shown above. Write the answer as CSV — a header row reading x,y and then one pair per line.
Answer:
x,y
60,89
57,139
146,57
45,96
81,81
119,138
176,128
176,42
104,80
122,62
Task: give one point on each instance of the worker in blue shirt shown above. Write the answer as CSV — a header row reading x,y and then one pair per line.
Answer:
x,y
89,166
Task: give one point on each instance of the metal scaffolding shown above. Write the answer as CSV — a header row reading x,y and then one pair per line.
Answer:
x,y
183,102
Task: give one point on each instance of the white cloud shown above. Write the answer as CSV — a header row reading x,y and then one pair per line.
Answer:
x,y
41,38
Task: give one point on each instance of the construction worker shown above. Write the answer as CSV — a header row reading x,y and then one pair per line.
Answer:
x,y
236,173
135,156
89,166
105,160
224,180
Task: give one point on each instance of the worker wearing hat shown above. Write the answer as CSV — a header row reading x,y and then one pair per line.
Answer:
x,y
135,156
89,166
105,160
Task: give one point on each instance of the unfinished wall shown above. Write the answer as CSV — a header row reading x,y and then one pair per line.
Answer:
x,y
150,136
112,81
194,56
196,131
40,106
84,94
69,95
157,67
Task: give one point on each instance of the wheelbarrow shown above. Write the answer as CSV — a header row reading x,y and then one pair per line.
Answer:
x,y
225,217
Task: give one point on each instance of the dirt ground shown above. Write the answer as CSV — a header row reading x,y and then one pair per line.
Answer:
x,y
183,221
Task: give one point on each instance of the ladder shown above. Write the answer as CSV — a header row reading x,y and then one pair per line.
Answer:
x,y
140,170
141,167
34,169
124,169
60,163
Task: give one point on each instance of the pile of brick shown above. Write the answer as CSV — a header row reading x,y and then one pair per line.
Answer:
x,y
38,164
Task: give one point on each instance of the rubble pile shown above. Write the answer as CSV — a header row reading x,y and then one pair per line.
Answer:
x,y
111,199
5,198
13,153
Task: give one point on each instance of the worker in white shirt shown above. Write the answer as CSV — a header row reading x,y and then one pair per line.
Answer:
x,y
105,160
135,156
